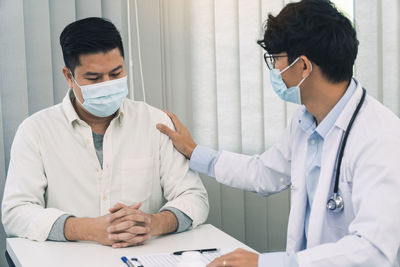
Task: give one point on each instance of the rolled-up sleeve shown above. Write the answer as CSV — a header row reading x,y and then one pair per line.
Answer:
x,y
184,222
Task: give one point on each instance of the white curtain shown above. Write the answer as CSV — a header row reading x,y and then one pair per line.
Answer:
x,y
377,66
31,61
217,72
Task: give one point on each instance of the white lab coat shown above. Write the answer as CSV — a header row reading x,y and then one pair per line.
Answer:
x,y
367,232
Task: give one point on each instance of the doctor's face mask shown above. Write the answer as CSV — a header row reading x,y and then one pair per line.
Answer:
x,y
291,94
105,98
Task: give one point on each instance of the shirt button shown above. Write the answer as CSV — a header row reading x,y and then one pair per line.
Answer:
x,y
313,141
104,198
97,169
87,141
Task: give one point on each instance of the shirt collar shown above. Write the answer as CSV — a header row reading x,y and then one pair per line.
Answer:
x,y
308,123
72,116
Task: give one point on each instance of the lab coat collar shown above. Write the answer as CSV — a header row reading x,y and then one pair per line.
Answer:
x,y
329,121
344,118
73,117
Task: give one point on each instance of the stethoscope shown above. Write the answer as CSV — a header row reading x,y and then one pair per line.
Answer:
x,y
336,203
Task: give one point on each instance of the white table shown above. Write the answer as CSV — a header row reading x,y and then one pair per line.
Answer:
x,y
29,253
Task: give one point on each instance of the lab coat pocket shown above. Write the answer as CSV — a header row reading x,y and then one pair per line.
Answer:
x,y
339,222
137,179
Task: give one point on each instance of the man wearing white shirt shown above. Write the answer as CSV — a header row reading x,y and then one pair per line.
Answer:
x,y
94,167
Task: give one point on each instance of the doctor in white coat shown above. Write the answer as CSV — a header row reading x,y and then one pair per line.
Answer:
x,y
311,49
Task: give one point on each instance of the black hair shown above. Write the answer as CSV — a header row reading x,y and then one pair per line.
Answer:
x,y
88,36
316,29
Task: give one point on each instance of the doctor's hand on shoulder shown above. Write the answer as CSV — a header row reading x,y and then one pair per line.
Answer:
x,y
236,258
181,138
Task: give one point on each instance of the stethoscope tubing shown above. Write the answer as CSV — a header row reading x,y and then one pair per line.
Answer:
x,y
343,145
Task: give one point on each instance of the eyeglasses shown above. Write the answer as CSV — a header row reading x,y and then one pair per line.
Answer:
x,y
270,60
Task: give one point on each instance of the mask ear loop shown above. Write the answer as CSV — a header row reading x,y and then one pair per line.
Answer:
x,y
294,62
73,79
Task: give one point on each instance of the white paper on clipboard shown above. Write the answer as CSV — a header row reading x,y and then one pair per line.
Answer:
x,y
170,260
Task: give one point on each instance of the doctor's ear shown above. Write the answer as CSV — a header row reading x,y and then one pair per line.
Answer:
x,y
307,65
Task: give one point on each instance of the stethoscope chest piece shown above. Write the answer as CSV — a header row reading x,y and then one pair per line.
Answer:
x,y
335,203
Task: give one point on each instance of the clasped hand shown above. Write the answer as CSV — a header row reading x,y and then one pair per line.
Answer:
x,y
127,226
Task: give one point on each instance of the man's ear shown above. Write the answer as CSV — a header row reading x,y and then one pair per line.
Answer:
x,y
68,76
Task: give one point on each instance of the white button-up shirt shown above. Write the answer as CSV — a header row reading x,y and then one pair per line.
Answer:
x,y
54,169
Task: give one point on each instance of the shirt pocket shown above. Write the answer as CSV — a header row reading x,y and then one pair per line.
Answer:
x,y
137,179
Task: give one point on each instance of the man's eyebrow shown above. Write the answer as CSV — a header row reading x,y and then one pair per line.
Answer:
x,y
89,73
93,73
117,68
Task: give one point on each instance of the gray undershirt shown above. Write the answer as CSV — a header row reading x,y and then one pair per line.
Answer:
x,y
57,230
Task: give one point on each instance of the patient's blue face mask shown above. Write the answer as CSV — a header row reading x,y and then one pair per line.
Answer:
x,y
105,98
291,94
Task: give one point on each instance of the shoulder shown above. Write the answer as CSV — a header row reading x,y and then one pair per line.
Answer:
x,y
140,110
42,119
38,126
376,120
376,132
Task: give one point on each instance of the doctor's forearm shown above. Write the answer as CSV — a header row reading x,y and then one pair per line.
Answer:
x,y
203,160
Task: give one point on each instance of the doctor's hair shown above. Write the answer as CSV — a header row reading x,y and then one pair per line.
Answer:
x,y
88,36
317,30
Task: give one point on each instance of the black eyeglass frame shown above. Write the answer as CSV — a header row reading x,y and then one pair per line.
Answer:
x,y
270,60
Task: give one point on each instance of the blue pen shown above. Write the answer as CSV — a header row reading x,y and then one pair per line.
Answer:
x,y
127,262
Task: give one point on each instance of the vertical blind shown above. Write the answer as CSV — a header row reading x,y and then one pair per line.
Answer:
x,y
231,105
377,65
31,60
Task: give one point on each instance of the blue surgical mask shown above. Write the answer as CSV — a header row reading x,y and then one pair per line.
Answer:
x,y
291,94
105,98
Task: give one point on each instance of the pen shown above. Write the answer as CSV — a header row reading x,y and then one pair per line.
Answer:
x,y
127,262
199,250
